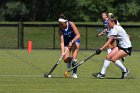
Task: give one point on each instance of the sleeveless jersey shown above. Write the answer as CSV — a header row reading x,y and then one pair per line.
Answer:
x,y
68,34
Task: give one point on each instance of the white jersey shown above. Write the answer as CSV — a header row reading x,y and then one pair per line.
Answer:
x,y
108,30
121,36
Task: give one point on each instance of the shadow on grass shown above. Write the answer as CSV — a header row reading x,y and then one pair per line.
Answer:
x,y
119,78
114,78
57,77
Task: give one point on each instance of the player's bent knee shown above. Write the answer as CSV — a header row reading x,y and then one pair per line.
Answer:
x,y
113,60
67,60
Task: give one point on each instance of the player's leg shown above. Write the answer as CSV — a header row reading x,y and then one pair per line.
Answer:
x,y
75,50
106,64
123,59
117,62
67,59
109,50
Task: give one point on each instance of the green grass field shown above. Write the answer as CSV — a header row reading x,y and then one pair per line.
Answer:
x,y
21,72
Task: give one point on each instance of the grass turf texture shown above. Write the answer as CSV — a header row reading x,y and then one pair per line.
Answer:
x,y
21,72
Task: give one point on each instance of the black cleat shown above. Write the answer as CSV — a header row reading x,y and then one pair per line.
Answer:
x,y
125,74
99,75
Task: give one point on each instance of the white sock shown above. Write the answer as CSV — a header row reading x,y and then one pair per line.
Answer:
x,y
105,66
109,50
120,65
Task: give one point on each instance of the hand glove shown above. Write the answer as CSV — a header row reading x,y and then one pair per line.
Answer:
x,y
98,51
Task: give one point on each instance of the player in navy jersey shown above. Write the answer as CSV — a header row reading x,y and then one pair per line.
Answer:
x,y
105,18
69,38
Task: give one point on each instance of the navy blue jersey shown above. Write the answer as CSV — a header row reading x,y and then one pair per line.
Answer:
x,y
68,34
105,22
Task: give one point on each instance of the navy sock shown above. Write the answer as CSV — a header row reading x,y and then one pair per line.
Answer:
x,y
74,64
75,70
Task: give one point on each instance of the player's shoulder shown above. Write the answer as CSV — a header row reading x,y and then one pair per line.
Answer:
x,y
114,29
118,27
71,22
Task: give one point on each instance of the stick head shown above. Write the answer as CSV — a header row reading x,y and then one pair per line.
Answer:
x,y
66,74
47,76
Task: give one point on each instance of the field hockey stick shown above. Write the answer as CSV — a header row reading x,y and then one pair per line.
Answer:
x,y
46,75
66,73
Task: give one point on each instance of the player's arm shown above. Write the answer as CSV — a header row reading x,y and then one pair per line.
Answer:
x,y
103,32
107,43
75,29
61,41
111,38
100,34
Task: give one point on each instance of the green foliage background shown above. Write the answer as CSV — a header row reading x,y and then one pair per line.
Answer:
x,y
77,10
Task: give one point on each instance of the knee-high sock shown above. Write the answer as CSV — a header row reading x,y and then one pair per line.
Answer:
x,y
109,50
120,65
74,62
105,66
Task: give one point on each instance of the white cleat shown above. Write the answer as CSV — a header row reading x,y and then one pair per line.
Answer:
x,y
74,75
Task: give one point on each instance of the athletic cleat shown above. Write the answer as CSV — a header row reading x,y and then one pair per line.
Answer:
x,y
99,75
74,75
125,74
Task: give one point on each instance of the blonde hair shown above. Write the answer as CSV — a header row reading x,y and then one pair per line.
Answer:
x,y
111,15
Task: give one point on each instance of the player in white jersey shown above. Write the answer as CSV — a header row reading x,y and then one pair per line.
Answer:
x,y
111,15
112,45
122,50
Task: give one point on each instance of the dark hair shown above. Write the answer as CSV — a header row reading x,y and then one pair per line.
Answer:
x,y
111,15
115,21
62,15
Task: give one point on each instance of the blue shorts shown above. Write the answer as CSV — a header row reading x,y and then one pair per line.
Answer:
x,y
66,42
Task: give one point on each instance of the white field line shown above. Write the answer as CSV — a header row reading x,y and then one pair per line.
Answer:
x,y
21,75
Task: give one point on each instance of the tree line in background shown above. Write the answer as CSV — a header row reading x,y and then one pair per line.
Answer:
x,y
77,10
